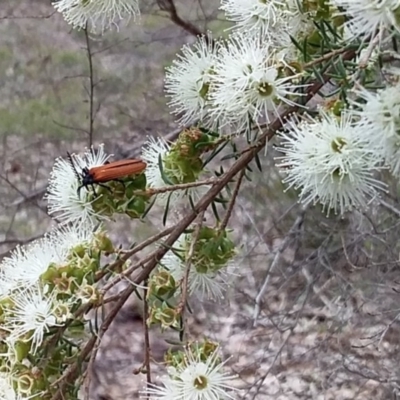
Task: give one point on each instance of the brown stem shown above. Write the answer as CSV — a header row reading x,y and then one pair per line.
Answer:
x,y
185,279
169,6
232,201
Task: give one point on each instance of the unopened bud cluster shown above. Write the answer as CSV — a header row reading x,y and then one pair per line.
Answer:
x,y
183,164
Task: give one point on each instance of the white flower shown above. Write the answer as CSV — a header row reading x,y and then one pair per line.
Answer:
x,y
368,16
100,14
188,82
331,162
64,201
206,284
255,16
25,265
196,380
382,114
153,153
71,236
248,88
31,316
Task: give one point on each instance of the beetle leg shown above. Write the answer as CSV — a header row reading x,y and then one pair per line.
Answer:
x,y
104,186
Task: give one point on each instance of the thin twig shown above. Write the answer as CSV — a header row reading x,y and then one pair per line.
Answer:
x,y
232,201
23,194
90,366
389,207
185,279
366,57
292,232
147,349
125,274
20,241
28,16
169,6
277,354
91,86
118,263
325,57
171,188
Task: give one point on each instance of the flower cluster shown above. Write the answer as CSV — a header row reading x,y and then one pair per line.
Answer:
x,y
241,83
232,85
275,20
188,81
195,374
41,286
334,159
331,160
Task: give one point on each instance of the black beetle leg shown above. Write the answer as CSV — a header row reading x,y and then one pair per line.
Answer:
x,y
105,186
94,189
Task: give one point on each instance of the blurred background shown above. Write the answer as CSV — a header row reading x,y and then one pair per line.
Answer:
x,y
312,310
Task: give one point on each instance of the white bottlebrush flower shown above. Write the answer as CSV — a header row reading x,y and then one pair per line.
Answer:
x,y
31,316
153,153
68,237
255,16
99,14
248,87
368,16
64,201
195,380
381,111
206,284
26,264
189,81
331,161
